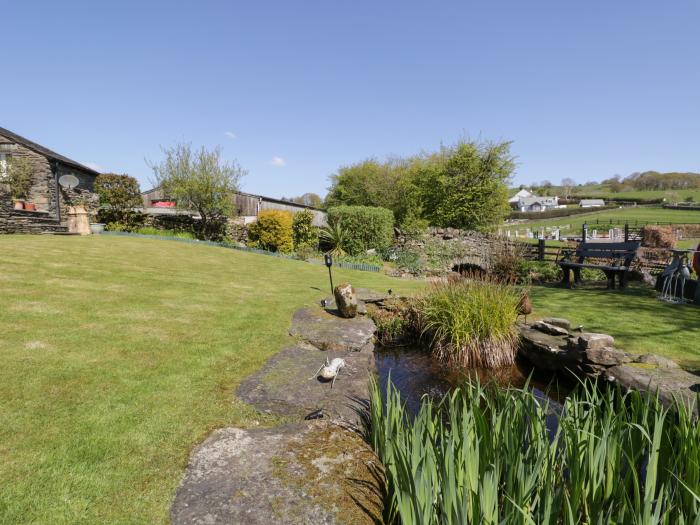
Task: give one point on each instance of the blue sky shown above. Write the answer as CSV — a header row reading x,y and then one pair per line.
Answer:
x,y
295,89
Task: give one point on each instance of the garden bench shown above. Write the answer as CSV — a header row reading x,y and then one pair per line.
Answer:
x,y
613,258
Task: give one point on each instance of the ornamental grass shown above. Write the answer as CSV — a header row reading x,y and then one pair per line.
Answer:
x,y
469,323
487,455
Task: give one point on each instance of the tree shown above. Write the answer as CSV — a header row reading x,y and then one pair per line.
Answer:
x,y
202,182
468,187
308,199
568,185
119,195
388,184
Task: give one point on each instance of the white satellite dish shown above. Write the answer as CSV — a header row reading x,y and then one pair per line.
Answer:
x,y
68,182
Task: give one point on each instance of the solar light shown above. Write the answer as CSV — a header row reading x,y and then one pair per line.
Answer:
x,y
328,259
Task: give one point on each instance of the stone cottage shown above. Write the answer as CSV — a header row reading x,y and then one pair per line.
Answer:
x,y
50,200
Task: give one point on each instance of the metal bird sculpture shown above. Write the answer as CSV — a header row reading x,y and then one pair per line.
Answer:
x,y
524,307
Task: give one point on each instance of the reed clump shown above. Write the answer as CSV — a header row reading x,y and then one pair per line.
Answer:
x,y
486,455
469,323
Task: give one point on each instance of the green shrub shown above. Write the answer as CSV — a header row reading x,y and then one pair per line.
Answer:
x,y
470,323
414,228
538,272
20,173
272,231
119,195
486,455
407,260
303,231
365,227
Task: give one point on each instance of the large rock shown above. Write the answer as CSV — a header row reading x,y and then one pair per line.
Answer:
x,y
548,328
591,341
656,360
287,385
346,300
558,321
294,474
332,332
667,382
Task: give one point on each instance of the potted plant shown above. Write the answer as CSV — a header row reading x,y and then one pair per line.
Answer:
x,y
30,206
20,180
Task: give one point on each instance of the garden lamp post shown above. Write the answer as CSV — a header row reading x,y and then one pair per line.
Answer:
x,y
328,258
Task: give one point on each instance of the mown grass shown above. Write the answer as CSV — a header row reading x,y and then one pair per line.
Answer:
x,y
639,322
119,355
488,455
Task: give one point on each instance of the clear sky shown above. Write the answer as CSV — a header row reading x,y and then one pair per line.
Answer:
x,y
295,89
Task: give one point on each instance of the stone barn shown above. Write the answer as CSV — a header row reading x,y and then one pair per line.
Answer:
x,y
46,209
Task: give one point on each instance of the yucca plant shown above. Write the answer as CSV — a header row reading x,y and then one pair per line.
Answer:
x,y
332,239
471,323
486,455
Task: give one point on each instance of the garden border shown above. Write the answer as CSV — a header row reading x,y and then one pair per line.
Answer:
x,y
343,265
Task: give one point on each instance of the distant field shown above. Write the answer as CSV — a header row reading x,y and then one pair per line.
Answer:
x,y
635,215
601,191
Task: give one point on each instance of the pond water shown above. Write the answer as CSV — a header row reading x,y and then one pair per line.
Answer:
x,y
415,374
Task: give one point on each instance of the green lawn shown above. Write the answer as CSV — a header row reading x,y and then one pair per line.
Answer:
x,y
638,214
639,322
120,354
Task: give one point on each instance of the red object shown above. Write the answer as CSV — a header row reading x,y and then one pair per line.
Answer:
x,y
164,204
696,260
30,206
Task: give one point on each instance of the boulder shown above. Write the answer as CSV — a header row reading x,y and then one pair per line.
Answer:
x,y
293,474
548,328
327,331
656,360
346,300
591,341
607,356
558,321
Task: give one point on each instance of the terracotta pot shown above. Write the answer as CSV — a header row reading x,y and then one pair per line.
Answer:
x,y
30,206
19,205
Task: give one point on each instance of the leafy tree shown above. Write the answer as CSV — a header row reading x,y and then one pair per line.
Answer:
x,y
202,182
119,196
468,187
308,199
386,184
362,228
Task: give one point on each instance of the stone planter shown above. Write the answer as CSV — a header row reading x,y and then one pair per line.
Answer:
x,y
78,221
96,228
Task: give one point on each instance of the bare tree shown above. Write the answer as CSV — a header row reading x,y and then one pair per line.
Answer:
x,y
568,185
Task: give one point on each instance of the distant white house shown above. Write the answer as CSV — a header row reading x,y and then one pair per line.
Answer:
x,y
521,194
591,203
534,203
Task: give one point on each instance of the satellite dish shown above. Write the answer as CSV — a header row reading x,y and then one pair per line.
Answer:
x,y
68,182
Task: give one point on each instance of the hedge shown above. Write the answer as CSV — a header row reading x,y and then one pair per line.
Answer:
x,y
364,227
557,212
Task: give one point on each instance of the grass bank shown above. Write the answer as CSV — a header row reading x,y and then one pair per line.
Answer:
x,y
118,355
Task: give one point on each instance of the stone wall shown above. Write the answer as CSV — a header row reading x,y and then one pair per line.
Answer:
x,y
20,221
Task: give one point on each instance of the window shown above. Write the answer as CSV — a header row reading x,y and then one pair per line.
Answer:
x,y
3,165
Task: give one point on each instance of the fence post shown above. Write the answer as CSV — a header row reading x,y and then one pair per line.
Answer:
x,y
540,250
584,230
627,232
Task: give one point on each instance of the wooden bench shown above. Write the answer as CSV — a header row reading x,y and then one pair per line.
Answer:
x,y
613,258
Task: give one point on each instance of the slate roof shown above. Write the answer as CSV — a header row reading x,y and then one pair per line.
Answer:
x,y
592,202
46,152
